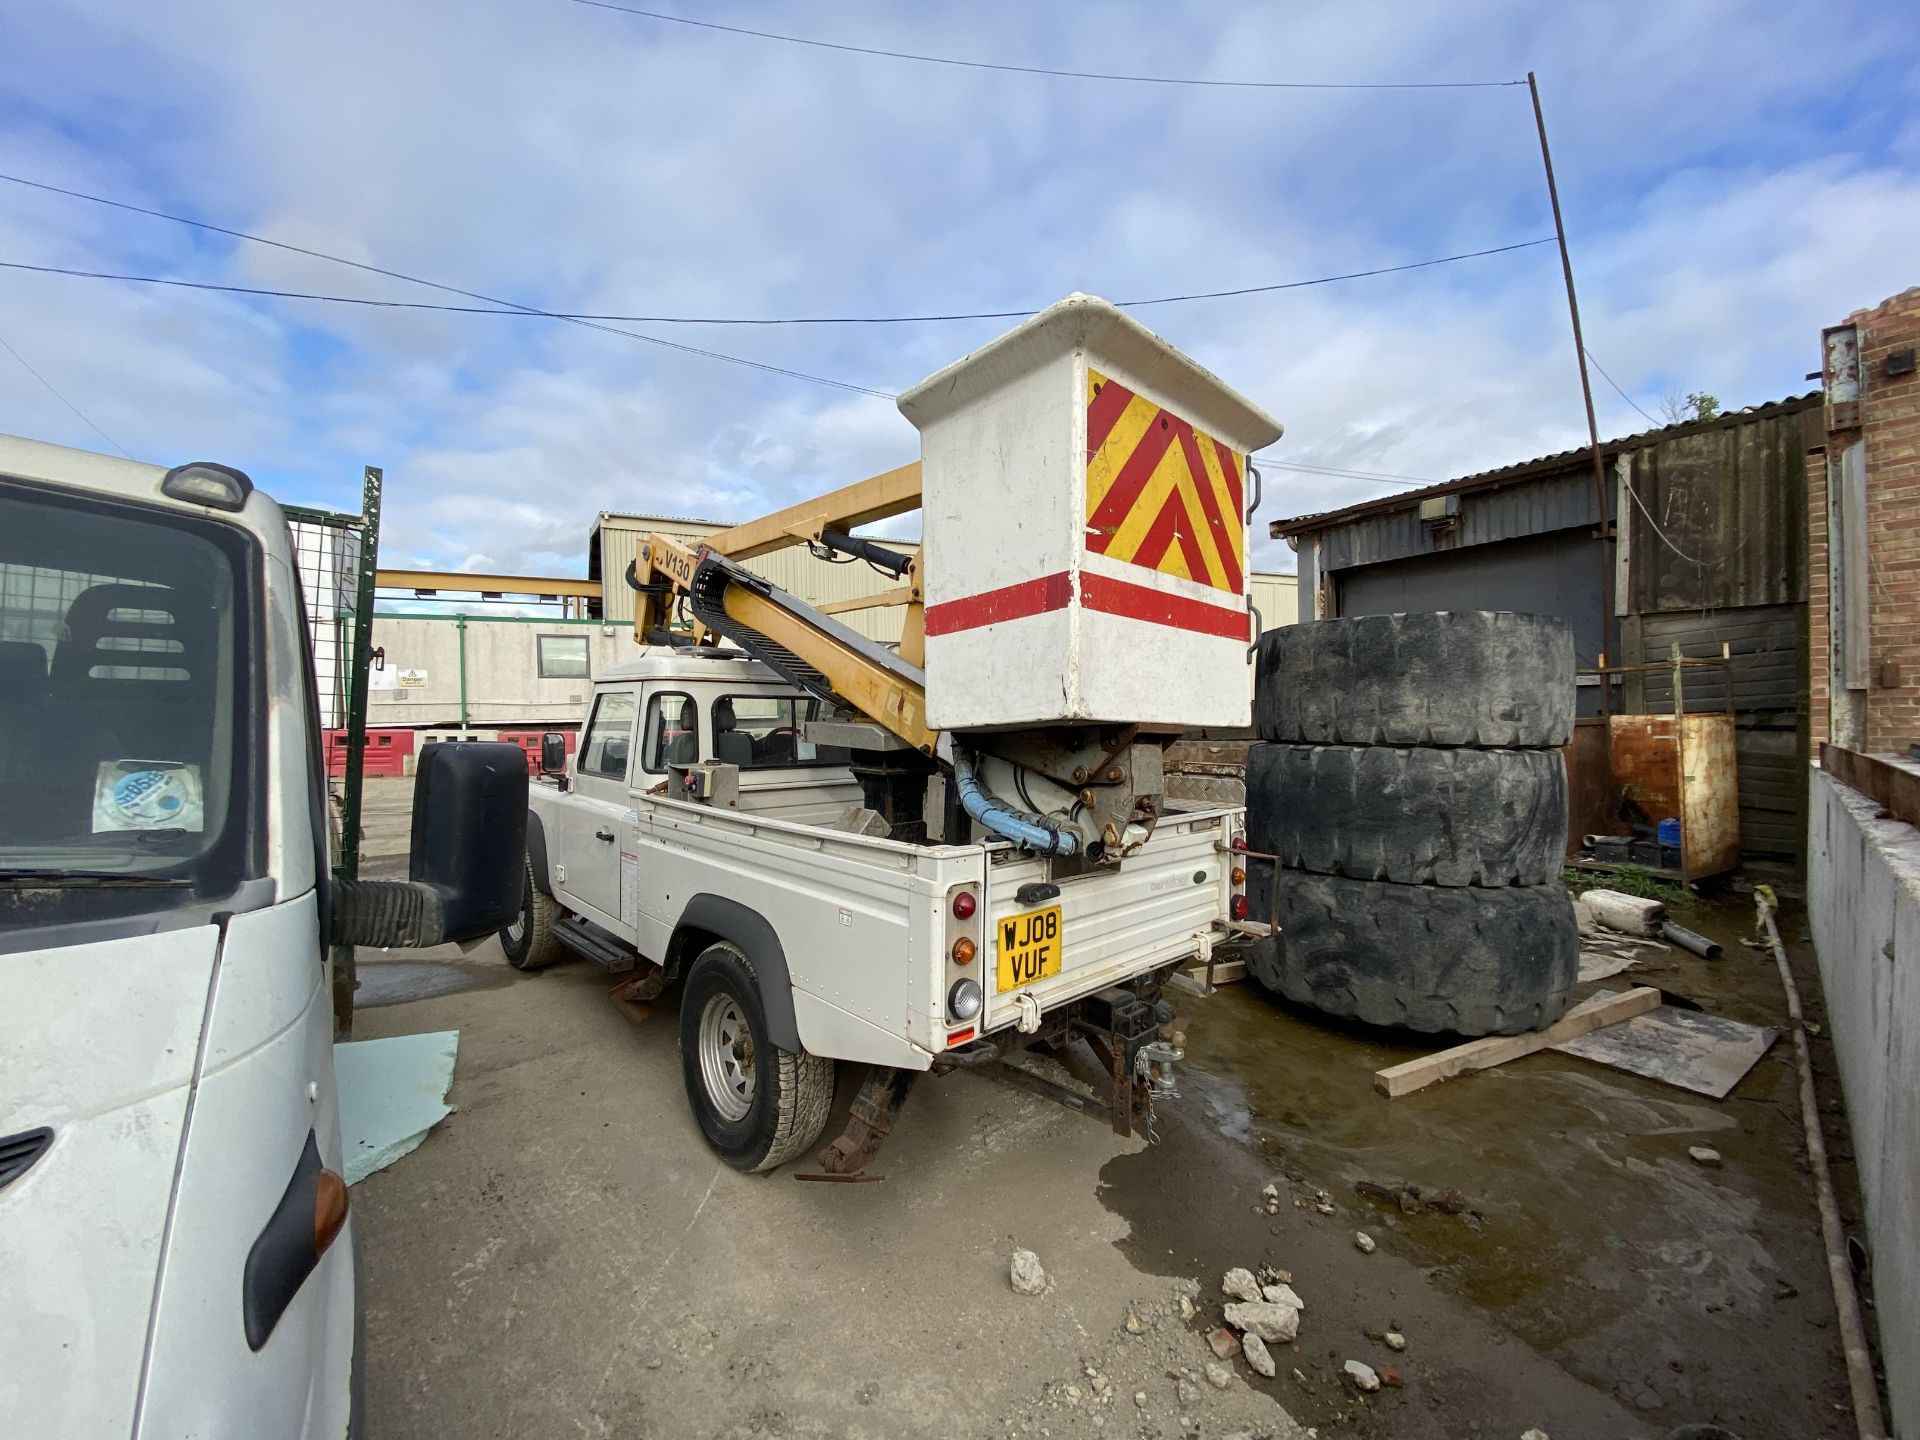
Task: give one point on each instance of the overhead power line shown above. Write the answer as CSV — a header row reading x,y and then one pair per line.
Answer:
x,y
1057,74
82,415
577,315
493,300
1616,388
1304,468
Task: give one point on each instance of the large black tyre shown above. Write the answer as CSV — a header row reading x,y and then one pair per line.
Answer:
x,y
1470,677
758,1105
1460,961
1416,817
530,942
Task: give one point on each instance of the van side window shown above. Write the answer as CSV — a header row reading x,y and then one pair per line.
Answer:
x,y
672,734
609,736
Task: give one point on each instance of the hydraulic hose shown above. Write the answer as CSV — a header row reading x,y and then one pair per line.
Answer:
x,y
1029,832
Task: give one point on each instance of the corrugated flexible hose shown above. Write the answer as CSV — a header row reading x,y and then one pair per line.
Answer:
x,y
1029,832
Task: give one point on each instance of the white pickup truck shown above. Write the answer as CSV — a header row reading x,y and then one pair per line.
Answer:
x,y
699,834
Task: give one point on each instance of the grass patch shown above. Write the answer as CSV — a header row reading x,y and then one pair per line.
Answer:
x,y
1628,880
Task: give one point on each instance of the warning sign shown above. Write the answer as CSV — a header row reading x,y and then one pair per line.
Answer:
x,y
1161,494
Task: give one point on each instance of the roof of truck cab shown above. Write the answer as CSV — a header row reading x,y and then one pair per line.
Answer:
x,y
662,663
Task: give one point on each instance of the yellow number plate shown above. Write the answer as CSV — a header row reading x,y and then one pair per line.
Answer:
x,y
1030,947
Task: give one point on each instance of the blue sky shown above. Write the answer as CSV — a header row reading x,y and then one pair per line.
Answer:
x,y
1735,176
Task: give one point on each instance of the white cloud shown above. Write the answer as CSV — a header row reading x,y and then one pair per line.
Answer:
x,y
1735,176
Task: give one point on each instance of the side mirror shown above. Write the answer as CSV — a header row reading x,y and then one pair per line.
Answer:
x,y
553,753
468,866
470,834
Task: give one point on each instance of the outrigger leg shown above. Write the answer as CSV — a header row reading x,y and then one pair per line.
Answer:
x,y
870,1120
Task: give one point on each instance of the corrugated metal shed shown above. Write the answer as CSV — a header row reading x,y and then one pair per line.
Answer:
x,y
1544,466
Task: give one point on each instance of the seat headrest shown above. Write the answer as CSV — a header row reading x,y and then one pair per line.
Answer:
x,y
23,669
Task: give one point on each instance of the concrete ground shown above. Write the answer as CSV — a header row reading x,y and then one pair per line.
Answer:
x,y
564,1257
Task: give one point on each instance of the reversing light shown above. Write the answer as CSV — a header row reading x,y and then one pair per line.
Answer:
x,y
1238,907
964,904
963,951
963,1000
1239,876
204,483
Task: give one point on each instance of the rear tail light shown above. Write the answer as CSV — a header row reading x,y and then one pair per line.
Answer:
x,y
1239,842
1238,907
964,904
963,951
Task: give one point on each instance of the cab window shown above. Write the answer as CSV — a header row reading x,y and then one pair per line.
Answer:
x,y
763,732
609,736
672,734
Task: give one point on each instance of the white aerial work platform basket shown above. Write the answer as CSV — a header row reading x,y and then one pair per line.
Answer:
x,y
1084,508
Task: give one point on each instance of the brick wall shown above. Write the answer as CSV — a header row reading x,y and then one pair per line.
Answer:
x,y
1890,423
1890,428
1819,620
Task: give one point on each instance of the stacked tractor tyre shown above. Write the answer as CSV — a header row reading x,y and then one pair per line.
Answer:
x,y
1411,784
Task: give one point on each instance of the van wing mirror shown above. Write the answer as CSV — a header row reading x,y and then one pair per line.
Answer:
x,y
470,834
468,865
553,753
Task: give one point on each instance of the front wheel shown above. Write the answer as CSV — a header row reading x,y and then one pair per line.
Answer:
x,y
758,1105
529,941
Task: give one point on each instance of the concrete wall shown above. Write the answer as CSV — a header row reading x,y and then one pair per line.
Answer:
x,y
503,684
1863,885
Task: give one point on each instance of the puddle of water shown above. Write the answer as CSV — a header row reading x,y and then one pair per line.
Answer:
x,y
1594,1237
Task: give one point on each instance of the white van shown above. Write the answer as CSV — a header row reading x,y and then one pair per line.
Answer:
x,y
175,1235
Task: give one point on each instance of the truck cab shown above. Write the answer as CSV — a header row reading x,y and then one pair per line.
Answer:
x,y
652,721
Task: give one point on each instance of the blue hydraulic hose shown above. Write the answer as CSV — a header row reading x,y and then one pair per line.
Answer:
x,y
1029,832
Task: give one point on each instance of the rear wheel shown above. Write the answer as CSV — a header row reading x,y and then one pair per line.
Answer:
x,y
529,941
757,1104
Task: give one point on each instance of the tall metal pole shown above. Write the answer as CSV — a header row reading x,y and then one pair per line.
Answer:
x,y
1586,393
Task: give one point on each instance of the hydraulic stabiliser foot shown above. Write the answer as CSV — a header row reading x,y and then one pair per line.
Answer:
x,y
870,1120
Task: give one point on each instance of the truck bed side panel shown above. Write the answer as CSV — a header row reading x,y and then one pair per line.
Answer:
x,y
853,917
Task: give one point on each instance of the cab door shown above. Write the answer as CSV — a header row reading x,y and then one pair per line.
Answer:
x,y
598,817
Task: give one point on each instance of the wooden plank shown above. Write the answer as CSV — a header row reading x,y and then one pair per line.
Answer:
x,y
1894,787
458,583
1589,1015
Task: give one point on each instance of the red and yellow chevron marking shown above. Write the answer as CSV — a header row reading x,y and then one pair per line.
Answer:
x,y
1160,493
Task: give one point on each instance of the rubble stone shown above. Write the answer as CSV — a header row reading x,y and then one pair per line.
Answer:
x,y
1275,1324
1027,1275
1363,1242
1362,1375
1255,1349
1239,1284
1218,1375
